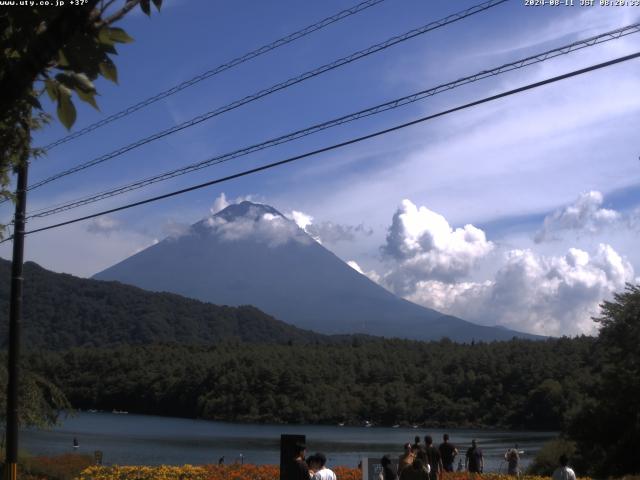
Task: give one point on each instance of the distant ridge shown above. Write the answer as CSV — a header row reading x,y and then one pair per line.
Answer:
x,y
250,253
62,311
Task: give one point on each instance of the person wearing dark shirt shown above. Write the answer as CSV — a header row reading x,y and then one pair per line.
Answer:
x,y
474,462
433,457
299,469
448,452
416,471
387,472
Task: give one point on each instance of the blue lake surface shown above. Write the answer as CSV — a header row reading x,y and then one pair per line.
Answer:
x,y
150,440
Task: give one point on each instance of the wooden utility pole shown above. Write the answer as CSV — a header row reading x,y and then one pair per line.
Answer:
x,y
15,316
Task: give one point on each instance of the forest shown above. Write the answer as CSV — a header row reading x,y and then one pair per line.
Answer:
x,y
516,384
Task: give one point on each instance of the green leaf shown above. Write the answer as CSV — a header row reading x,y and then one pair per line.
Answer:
x,y
76,81
145,6
157,3
104,37
109,71
66,109
62,59
83,83
52,88
66,79
111,35
89,97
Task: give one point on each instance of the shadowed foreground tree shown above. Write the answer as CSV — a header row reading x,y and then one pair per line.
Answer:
x,y
41,400
58,50
607,426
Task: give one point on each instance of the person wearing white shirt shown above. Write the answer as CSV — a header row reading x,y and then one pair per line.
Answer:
x,y
321,472
563,472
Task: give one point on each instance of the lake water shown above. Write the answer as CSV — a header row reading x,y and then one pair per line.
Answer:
x,y
149,440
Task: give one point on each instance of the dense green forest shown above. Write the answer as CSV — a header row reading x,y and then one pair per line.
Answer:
x,y
62,311
519,384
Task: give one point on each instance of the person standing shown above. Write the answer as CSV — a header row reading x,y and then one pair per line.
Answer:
x,y
407,458
513,461
433,457
563,472
321,472
448,452
387,472
416,471
474,461
299,469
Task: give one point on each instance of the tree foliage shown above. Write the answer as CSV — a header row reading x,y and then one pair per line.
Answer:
x,y
41,401
381,380
60,50
607,425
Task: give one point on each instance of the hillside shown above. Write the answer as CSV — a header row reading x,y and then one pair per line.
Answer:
x,y
62,311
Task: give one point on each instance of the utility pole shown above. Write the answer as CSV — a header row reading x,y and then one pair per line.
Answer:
x,y
15,315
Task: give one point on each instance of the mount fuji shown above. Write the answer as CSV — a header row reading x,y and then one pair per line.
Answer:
x,y
251,254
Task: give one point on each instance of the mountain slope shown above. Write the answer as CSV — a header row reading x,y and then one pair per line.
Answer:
x,y
62,311
251,254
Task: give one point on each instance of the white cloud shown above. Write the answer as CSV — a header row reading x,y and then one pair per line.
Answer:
x,y
328,232
585,215
275,230
104,225
423,246
546,295
372,275
302,219
219,204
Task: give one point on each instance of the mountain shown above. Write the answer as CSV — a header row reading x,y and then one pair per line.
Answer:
x,y
62,311
251,254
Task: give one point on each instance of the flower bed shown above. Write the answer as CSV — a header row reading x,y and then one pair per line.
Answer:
x,y
244,472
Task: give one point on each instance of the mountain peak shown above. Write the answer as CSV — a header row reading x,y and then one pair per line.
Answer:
x,y
247,210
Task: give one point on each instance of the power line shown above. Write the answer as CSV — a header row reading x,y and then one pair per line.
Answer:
x,y
563,50
219,69
346,143
277,87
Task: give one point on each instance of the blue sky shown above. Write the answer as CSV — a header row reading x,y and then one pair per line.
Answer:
x,y
558,165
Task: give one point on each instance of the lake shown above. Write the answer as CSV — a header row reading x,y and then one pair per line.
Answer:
x,y
128,439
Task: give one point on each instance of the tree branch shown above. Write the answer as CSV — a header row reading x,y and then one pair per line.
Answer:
x,y
128,6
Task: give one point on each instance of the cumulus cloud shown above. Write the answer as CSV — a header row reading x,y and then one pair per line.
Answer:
x,y
257,225
328,232
585,215
221,202
104,225
423,246
547,295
